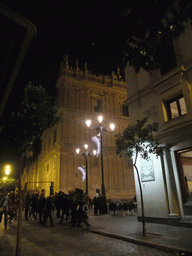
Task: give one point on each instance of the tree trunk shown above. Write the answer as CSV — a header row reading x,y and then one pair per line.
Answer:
x,y
141,193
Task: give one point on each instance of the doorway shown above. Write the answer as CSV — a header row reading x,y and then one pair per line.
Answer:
x,y
184,160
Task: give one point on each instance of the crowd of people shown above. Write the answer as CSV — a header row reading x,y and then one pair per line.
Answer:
x,y
72,206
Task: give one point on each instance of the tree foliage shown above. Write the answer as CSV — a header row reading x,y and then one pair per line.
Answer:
x,y
139,138
6,182
35,113
139,31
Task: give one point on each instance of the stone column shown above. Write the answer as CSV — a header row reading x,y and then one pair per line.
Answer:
x,y
171,186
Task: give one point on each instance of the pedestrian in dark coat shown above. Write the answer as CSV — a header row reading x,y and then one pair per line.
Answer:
x,y
5,203
48,210
64,207
82,215
27,205
97,204
73,207
42,204
58,202
34,204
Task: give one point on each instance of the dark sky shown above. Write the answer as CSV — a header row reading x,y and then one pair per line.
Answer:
x,y
63,27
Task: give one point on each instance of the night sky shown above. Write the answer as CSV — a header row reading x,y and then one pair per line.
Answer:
x,y
63,27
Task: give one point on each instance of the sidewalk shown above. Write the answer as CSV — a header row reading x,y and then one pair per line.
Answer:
x,y
175,239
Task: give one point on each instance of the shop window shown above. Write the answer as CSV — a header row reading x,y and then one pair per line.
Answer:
x,y
176,107
97,105
125,110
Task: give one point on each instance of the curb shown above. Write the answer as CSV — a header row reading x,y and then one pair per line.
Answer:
x,y
142,242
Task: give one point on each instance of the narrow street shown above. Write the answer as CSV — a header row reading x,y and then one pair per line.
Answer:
x,y
63,239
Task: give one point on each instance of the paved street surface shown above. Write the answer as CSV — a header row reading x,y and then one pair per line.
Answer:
x,y
63,239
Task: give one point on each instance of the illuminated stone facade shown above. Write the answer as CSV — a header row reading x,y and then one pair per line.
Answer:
x,y
82,95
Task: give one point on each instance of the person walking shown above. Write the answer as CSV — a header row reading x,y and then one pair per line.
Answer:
x,y
97,204
73,207
42,204
82,215
81,208
34,204
48,210
5,205
57,202
64,207
27,204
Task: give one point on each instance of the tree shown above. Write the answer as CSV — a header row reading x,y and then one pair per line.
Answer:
x,y
139,32
139,139
24,129
35,113
6,183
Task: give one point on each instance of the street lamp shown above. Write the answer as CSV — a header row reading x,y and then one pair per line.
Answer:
x,y
101,128
7,169
86,154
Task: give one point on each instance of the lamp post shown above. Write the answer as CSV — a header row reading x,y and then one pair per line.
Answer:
x,y
86,154
101,128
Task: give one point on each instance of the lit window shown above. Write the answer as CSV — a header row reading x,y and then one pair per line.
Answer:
x,y
176,107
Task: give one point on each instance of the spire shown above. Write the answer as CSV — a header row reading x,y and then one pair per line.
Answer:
x,y
77,65
118,74
85,71
66,64
112,78
76,68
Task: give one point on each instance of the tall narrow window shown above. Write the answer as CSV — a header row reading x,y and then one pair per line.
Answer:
x,y
176,107
97,105
125,110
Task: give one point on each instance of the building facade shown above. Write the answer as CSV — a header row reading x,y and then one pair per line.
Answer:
x,y
165,96
82,96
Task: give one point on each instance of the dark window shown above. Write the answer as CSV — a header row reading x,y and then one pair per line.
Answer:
x,y
125,110
97,105
176,107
